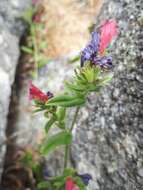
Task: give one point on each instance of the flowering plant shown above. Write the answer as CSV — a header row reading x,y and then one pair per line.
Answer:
x,y
35,42
91,76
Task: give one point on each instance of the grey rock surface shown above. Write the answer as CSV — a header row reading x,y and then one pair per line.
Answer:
x,y
109,135
11,29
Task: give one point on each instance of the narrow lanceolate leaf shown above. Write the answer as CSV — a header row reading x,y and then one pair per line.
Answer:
x,y
42,62
28,14
27,50
43,185
94,87
50,123
65,101
89,74
60,98
78,88
75,59
97,72
62,138
68,103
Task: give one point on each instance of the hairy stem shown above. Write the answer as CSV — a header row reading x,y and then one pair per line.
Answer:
x,y
74,119
67,147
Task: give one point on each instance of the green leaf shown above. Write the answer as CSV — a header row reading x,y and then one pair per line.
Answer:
x,y
44,61
65,101
27,159
61,124
89,74
94,87
69,172
68,103
61,112
28,14
75,59
50,123
38,110
43,185
62,138
81,79
97,72
27,49
78,88
60,98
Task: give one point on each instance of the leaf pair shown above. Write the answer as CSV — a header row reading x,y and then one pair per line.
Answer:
x,y
50,144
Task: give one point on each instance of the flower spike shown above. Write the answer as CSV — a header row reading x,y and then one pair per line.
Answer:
x,y
91,49
94,50
36,94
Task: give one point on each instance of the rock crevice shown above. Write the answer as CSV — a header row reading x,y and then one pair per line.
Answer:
x,y
11,29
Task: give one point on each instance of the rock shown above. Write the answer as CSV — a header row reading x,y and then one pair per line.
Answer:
x,y
114,152
11,29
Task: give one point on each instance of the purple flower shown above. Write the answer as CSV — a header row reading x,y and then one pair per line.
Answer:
x,y
95,50
90,51
103,62
86,178
50,94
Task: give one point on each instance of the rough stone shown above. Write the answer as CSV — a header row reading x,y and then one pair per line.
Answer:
x,y
11,29
113,154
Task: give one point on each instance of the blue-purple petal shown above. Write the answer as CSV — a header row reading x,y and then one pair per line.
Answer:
x,y
104,62
50,94
86,178
95,41
91,49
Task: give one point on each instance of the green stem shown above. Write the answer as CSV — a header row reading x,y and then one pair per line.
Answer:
x,y
74,119
66,156
67,147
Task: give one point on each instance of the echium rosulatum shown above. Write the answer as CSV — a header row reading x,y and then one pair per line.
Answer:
x,y
91,76
95,51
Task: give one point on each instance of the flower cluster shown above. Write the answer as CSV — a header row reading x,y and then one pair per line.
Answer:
x,y
96,48
36,94
71,185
